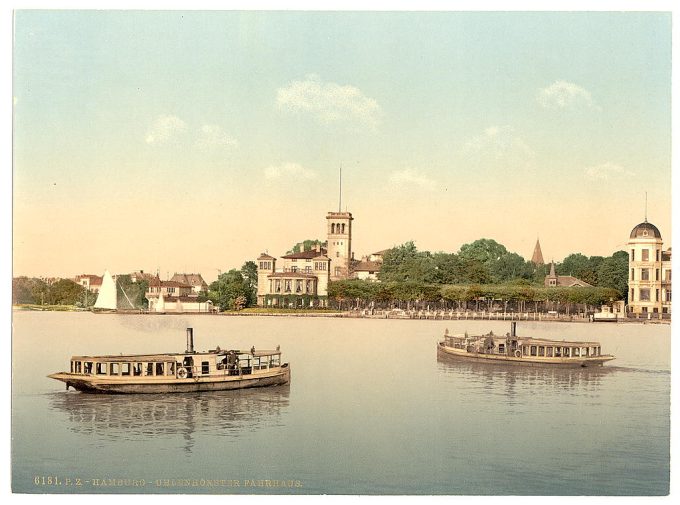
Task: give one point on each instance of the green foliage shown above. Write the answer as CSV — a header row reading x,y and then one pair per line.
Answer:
x,y
29,291
65,292
231,290
364,293
249,273
131,295
306,245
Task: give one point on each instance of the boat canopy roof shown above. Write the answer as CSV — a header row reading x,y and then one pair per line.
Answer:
x,y
530,340
169,356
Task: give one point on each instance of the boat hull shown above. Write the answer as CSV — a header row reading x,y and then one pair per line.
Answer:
x,y
105,385
536,361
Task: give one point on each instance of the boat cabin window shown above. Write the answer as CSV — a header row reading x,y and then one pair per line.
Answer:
x,y
137,369
558,352
549,351
205,367
565,352
88,367
501,348
100,368
114,369
541,350
77,366
170,366
533,350
125,368
159,368
274,361
149,369
576,351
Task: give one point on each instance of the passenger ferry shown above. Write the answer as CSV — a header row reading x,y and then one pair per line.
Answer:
x,y
510,348
190,371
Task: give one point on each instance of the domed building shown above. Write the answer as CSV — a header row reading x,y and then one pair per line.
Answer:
x,y
649,273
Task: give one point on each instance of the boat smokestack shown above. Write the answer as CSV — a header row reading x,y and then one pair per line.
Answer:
x,y
190,341
513,329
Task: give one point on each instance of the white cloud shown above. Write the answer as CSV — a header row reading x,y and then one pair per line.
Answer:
x,y
607,170
409,177
564,95
288,171
164,128
499,142
328,102
213,136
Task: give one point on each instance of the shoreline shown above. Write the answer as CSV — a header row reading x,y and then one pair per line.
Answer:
x,y
393,314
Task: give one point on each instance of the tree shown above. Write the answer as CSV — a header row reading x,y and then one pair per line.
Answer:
x,y
484,250
227,289
131,295
65,292
613,272
405,264
249,273
306,245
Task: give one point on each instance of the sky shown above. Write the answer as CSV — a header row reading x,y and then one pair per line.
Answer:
x,y
185,141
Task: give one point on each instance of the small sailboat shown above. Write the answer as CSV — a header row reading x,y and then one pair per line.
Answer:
x,y
107,299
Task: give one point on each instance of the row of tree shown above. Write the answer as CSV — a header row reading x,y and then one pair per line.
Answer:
x,y
485,261
519,296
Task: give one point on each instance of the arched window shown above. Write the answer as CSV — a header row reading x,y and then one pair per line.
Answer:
x,y
333,228
343,228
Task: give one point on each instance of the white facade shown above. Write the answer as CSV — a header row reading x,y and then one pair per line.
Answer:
x,y
649,272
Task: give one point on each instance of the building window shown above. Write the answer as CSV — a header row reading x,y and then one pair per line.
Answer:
x,y
657,274
668,275
657,254
644,295
644,274
298,286
308,269
645,255
657,299
632,255
293,269
337,254
278,286
668,295
632,295
337,271
632,274
287,286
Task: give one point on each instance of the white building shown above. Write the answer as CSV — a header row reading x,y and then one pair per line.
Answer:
x,y
649,272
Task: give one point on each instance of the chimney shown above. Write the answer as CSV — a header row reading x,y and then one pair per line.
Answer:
x,y
190,341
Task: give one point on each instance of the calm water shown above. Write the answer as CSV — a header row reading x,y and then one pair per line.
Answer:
x,y
370,410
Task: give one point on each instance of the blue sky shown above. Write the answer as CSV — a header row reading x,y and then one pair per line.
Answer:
x,y
196,140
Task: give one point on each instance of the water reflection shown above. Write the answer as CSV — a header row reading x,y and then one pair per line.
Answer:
x,y
510,380
138,417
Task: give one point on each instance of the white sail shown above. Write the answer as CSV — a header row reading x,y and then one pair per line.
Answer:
x,y
107,294
160,305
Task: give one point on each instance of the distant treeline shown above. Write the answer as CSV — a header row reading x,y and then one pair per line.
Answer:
x,y
485,261
483,273
34,291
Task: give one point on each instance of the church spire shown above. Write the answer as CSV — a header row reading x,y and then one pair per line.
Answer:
x,y
537,258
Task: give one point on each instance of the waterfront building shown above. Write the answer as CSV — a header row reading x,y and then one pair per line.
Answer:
x,y
174,296
566,281
649,272
302,281
196,282
339,244
92,283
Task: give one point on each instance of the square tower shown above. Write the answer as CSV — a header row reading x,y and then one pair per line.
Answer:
x,y
339,244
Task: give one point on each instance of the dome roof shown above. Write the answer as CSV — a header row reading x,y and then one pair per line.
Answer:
x,y
645,230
